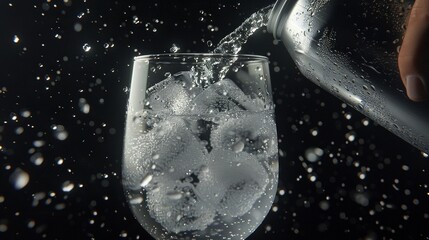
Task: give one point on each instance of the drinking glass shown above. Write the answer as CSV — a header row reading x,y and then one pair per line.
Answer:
x,y
200,154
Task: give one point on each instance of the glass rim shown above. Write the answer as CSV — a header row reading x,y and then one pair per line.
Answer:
x,y
171,57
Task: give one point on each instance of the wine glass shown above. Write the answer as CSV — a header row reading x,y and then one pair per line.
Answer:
x,y
200,154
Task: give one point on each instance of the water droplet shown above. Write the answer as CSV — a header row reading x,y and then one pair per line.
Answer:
x,y
77,27
3,227
25,113
174,48
80,15
136,20
84,106
324,205
86,47
19,179
350,136
60,133
313,154
59,160
15,39
67,186
13,116
37,159
209,43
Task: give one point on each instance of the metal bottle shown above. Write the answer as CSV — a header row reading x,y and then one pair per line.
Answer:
x,y
350,48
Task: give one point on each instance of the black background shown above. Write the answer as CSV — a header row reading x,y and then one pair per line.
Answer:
x,y
372,187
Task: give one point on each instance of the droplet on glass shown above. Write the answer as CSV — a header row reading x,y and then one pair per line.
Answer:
x,y
238,147
19,179
174,195
136,200
146,180
209,43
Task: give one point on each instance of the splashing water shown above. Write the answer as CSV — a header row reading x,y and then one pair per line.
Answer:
x,y
231,44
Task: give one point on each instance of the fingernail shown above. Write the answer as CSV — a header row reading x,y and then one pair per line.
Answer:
x,y
416,89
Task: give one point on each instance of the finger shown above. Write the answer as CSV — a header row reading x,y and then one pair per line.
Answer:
x,y
412,58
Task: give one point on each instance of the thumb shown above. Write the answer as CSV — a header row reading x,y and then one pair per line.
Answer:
x,y
413,56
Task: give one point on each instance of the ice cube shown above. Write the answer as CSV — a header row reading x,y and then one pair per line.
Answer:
x,y
249,132
174,94
224,96
232,182
177,208
168,149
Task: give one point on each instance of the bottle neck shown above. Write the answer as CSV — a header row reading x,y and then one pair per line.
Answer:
x,y
278,16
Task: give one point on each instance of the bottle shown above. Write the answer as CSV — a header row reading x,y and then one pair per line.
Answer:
x,y
350,49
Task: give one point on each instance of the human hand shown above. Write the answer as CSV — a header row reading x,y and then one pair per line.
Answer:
x,y
413,60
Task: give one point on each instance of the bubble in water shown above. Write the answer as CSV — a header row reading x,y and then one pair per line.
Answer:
x,y
19,179
174,48
209,43
86,47
67,186
15,39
